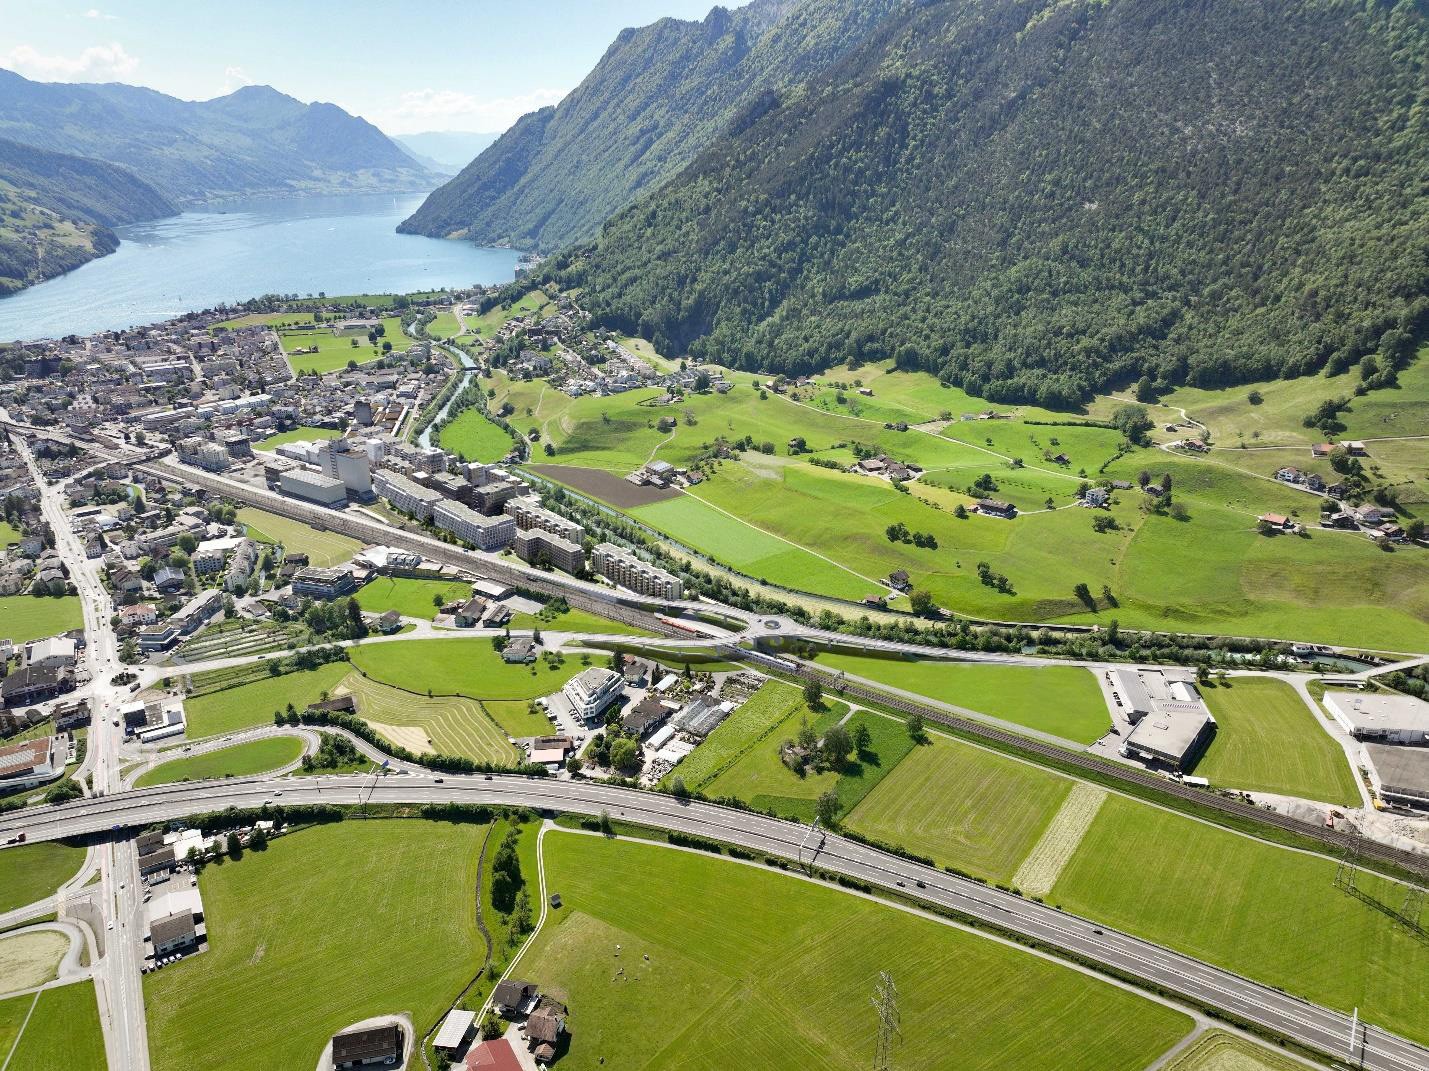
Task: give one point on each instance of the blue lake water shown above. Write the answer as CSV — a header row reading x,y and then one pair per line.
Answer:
x,y
303,245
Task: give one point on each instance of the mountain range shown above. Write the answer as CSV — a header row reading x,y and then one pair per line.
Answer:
x,y
1033,199
254,141
659,95
446,151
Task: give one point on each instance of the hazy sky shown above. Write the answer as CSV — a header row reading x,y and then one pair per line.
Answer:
x,y
406,65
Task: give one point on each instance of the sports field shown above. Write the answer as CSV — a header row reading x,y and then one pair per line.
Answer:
x,y
1266,912
34,871
326,927
409,597
304,434
335,351
469,667
322,548
30,617
475,438
1062,700
962,806
63,1030
223,711
1268,740
1217,1050
31,959
748,968
240,760
451,725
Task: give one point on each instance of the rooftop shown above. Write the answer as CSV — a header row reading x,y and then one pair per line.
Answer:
x,y
1381,711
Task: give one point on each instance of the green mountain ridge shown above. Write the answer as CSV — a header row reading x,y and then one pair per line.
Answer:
x,y
57,211
1035,200
252,141
658,96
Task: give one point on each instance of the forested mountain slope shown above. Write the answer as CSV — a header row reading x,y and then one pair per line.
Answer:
x,y
56,211
659,95
1037,199
253,141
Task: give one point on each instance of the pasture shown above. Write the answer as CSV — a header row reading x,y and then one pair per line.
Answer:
x,y
63,1030
444,325
326,927
213,713
962,806
240,760
336,351
1062,700
410,597
473,437
757,969
469,667
302,434
33,617
517,719
34,871
1263,911
533,302
1268,740
322,548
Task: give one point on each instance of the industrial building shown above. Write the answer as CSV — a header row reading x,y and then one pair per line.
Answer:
x,y
1401,774
485,533
313,487
1381,716
625,569
592,690
1172,725
343,460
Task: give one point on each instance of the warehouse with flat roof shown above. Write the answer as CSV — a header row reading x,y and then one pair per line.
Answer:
x,y
1381,716
1401,774
1172,723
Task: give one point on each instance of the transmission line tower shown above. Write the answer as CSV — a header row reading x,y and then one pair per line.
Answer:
x,y
885,1002
1349,863
1413,905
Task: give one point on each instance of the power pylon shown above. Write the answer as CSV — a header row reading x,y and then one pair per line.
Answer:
x,y
1349,863
885,1002
1413,905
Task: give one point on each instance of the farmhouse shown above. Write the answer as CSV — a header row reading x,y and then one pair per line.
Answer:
x,y
373,1046
512,998
993,508
1387,719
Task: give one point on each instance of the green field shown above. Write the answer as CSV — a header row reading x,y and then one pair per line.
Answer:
x,y
752,969
63,1030
444,325
1266,912
409,597
486,325
754,720
517,719
30,617
451,725
322,548
240,760
469,667
1268,740
335,351
473,437
34,871
1062,700
326,927
302,434
271,319
228,709
962,806
1217,1050
577,621
8,534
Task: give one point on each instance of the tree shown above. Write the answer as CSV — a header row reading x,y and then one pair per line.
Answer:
x,y
1132,421
826,808
1165,483
258,839
1084,593
506,877
807,739
813,694
1143,478
915,728
521,912
574,765
1145,389
921,602
677,787
625,755
235,846
1255,397
837,745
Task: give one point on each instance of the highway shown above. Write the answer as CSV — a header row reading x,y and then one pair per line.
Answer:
x,y
1319,1028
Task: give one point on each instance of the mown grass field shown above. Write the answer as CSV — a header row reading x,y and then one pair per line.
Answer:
x,y
327,927
1217,1050
31,959
749,968
63,1030
1062,700
486,325
34,871
1266,912
335,351
475,438
304,434
962,806
444,325
451,725
410,597
240,760
30,617
8,534
228,709
581,621
794,524
517,719
1268,740
469,667
322,548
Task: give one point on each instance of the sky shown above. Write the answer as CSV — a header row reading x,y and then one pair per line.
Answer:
x,y
406,65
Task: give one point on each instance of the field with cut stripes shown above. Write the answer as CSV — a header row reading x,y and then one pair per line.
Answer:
x,y
451,725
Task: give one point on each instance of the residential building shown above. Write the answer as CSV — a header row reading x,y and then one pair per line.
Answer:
x,y
406,495
158,637
33,684
315,582
592,690
486,533
535,545
528,513
628,571
174,934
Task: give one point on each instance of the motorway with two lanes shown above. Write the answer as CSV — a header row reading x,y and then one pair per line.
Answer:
x,y
1315,1027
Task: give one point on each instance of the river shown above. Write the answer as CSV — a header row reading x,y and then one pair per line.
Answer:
x,y
298,245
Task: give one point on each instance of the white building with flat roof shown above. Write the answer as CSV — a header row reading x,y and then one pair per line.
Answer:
x,y
486,533
592,690
313,487
1380,716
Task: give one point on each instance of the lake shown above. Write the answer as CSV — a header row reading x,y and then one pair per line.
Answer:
x,y
202,258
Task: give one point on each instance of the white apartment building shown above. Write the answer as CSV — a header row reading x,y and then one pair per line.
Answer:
x,y
631,572
486,533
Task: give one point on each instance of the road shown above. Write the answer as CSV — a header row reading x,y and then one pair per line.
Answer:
x,y
1319,1028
